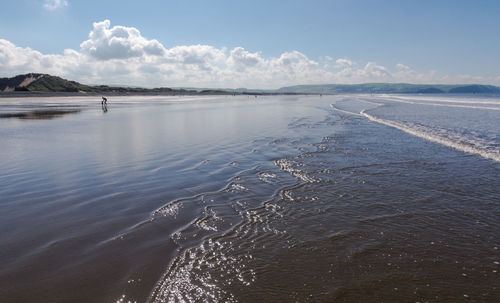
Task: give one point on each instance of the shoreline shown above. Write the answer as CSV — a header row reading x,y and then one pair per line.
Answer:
x,y
21,94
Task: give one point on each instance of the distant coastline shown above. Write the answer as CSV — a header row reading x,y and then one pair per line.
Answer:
x,y
21,94
44,85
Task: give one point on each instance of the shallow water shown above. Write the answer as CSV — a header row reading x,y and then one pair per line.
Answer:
x,y
237,199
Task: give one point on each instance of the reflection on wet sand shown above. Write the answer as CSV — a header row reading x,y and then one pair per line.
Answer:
x,y
40,114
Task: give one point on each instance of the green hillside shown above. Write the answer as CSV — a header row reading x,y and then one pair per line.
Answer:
x,y
34,82
10,84
47,83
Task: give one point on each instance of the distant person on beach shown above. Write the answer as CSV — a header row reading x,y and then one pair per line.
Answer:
x,y
104,101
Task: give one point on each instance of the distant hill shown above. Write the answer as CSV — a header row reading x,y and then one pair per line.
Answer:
x,y
48,83
19,82
391,88
34,82
481,89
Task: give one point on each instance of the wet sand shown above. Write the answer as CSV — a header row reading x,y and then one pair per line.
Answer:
x,y
237,199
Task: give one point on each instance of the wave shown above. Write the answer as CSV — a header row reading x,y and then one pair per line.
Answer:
x,y
473,104
467,147
470,146
455,99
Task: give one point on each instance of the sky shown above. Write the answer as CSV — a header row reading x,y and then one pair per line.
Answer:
x,y
252,44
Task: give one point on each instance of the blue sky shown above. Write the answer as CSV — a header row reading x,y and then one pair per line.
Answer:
x,y
325,41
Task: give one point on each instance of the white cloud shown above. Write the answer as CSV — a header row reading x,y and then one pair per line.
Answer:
x,y
242,59
119,42
376,71
54,4
122,55
402,67
344,62
371,72
202,56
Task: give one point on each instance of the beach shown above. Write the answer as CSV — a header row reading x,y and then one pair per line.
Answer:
x,y
345,198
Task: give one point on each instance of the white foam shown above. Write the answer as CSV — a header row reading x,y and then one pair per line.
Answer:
x,y
343,111
473,104
454,99
292,168
469,147
458,143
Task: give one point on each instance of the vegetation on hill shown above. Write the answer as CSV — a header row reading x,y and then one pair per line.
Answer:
x,y
10,84
49,83
34,82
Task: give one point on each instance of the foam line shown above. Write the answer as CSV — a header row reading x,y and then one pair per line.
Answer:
x,y
440,104
489,101
437,139
344,111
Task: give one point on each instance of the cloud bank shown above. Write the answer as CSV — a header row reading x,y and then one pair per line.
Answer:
x,y
121,55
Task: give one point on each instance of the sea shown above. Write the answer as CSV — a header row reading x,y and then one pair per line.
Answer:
x,y
333,198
